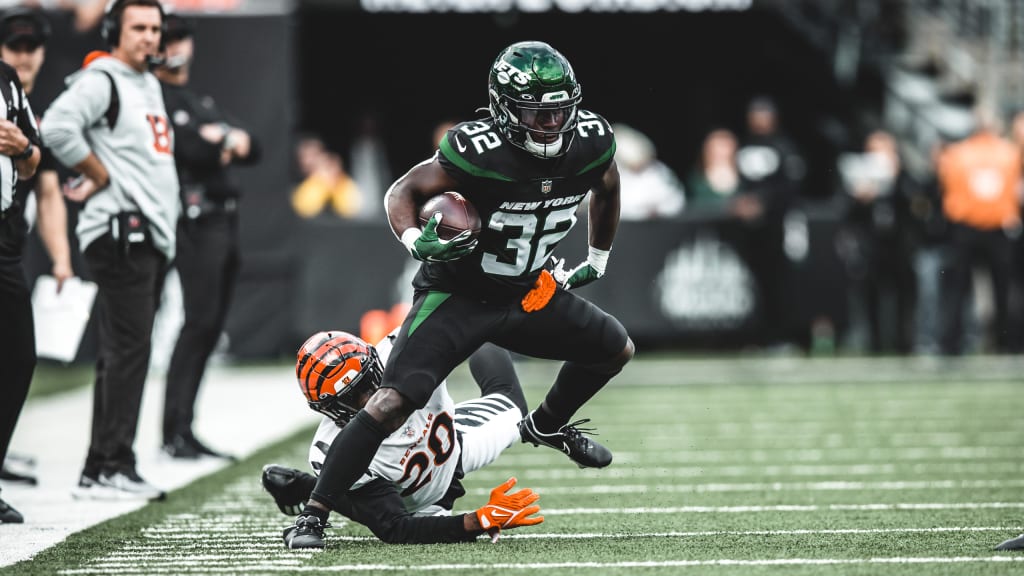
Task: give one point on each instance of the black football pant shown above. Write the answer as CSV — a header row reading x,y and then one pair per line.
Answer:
x,y
17,349
968,247
207,263
443,329
126,305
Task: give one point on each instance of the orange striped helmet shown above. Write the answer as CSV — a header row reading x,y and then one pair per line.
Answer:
x,y
337,372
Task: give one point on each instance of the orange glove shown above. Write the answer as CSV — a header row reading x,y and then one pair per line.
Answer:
x,y
541,293
509,510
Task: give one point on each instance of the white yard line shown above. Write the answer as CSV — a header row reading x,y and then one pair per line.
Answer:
x,y
841,486
254,540
246,545
238,411
795,370
242,410
788,508
266,566
652,470
783,454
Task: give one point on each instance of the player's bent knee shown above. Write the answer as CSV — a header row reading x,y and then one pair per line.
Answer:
x,y
389,407
627,353
613,364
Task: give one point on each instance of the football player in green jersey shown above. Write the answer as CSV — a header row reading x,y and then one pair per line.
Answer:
x,y
526,168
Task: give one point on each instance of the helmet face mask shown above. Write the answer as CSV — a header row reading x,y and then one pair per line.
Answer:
x,y
337,372
533,98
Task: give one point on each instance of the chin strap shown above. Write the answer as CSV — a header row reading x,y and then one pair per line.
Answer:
x,y
543,150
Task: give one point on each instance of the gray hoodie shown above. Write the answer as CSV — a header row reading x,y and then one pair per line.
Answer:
x,y
138,153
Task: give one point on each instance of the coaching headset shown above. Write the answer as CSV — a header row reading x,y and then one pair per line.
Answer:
x,y
110,26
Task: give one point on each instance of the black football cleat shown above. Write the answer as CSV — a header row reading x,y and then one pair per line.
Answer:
x,y
1012,544
306,533
19,468
289,487
11,475
205,450
188,447
179,447
9,515
584,451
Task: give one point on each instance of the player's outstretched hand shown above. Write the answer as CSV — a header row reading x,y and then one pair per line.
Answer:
x,y
431,248
509,510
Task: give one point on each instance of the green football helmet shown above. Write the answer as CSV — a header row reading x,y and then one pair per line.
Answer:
x,y
534,97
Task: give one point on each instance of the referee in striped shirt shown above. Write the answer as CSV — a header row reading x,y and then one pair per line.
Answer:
x,y
19,158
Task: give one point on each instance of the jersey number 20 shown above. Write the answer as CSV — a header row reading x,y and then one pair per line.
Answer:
x,y
441,443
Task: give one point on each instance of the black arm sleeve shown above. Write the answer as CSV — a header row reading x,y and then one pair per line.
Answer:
x,y
26,119
193,151
379,507
255,149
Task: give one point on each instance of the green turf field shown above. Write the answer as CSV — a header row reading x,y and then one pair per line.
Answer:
x,y
721,467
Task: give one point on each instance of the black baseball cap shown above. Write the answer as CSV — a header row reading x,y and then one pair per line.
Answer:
x,y
177,28
762,103
21,25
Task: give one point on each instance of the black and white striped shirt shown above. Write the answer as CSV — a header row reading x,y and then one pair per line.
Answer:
x,y
16,109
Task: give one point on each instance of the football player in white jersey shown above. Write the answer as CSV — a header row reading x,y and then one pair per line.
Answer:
x,y
406,495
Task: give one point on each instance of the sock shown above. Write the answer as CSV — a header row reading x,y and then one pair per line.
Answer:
x,y
348,458
544,421
318,512
573,387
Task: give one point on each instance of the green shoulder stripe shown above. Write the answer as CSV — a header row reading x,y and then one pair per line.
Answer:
x,y
604,158
461,162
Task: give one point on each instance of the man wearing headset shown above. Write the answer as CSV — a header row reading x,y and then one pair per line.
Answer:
x,y
110,125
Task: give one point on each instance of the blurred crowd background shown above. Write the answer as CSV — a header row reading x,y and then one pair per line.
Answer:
x,y
819,176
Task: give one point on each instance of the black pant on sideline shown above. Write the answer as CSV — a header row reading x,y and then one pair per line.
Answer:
x,y
127,298
968,247
17,349
207,263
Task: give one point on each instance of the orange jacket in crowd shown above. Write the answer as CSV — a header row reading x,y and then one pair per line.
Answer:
x,y
980,177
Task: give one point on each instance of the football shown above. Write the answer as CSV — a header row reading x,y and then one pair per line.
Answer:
x,y
458,214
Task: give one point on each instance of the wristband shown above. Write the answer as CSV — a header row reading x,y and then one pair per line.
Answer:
x,y
409,238
26,153
229,141
598,259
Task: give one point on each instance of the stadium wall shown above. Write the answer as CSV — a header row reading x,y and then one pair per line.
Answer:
x,y
683,283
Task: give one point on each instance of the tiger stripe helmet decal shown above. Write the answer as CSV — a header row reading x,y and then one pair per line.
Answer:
x,y
334,370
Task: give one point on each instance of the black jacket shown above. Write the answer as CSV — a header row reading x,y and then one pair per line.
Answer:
x,y
199,160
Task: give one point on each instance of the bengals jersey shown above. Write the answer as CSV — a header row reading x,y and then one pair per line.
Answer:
x,y
526,204
420,458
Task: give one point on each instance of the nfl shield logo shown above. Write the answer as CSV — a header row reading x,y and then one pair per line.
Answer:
x,y
545,186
